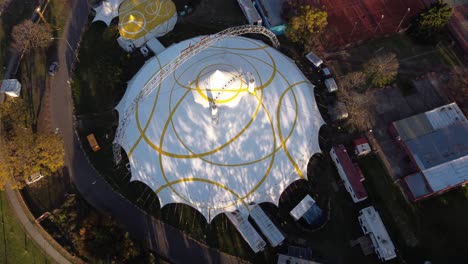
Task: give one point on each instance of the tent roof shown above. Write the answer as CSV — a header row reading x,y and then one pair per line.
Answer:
x,y
107,11
254,151
137,18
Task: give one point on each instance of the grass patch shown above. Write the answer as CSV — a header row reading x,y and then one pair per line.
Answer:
x,y
396,210
414,59
434,229
15,245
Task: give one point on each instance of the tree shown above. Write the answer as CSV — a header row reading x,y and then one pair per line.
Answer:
x,y
382,70
306,25
25,153
15,113
29,35
457,87
359,108
3,5
354,80
428,25
100,237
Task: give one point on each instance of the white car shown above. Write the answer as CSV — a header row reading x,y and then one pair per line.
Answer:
x,y
314,59
331,85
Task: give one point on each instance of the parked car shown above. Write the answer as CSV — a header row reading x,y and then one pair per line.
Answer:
x,y
53,68
331,85
326,73
314,59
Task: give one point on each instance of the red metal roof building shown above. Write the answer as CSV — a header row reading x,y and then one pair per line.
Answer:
x,y
349,172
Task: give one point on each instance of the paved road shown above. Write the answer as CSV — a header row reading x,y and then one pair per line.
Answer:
x,y
163,239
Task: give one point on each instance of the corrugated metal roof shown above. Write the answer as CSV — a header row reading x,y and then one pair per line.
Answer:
x,y
424,123
448,174
445,116
440,146
413,127
417,185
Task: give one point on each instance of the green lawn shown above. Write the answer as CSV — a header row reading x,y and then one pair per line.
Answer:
x,y
434,229
15,245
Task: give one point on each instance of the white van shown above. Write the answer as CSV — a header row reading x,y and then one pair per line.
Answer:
x,y
314,59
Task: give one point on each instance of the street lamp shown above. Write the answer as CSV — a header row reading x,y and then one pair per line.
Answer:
x,y
68,43
399,25
38,11
378,24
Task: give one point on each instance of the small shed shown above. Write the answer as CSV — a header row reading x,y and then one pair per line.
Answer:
x,y
361,146
331,85
11,87
308,210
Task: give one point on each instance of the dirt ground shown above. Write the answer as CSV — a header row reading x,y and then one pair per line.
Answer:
x,y
391,105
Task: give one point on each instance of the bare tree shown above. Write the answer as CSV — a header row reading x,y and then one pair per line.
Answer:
x,y
354,80
3,5
28,35
382,70
359,106
457,87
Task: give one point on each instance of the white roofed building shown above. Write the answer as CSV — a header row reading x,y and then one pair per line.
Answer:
x,y
268,228
235,124
372,225
307,209
11,87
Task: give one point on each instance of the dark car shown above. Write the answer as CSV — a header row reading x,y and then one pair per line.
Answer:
x,y
53,68
326,73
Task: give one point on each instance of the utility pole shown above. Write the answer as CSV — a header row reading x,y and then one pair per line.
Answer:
x,y
401,22
354,27
378,24
68,43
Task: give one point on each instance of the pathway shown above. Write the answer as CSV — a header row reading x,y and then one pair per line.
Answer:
x,y
52,249
32,230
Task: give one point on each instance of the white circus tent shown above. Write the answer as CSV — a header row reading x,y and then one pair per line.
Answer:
x,y
107,11
260,143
